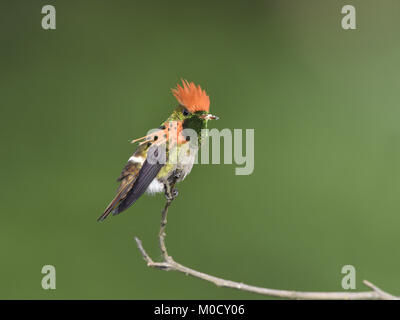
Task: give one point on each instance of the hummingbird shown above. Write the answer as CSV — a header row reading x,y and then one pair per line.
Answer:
x,y
144,172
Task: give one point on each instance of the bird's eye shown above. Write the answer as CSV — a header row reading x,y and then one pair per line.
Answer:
x,y
185,112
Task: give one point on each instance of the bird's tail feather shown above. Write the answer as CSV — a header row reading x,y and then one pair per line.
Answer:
x,y
113,204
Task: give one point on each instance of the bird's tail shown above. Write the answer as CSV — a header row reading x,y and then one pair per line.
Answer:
x,y
113,204
106,212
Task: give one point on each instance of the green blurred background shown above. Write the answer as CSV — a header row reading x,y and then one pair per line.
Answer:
x,y
324,105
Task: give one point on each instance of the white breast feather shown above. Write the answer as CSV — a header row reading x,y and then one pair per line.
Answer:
x,y
155,187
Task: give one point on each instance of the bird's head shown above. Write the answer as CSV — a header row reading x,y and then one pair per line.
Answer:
x,y
194,105
191,113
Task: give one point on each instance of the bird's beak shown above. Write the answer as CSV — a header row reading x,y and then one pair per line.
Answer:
x,y
209,116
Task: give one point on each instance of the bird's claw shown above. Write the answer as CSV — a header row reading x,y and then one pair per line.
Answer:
x,y
172,194
175,193
177,174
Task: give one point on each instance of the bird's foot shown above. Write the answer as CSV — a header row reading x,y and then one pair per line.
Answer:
x,y
175,193
177,174
172,194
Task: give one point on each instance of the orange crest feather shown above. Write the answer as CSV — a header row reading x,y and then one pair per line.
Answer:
x,y
191,97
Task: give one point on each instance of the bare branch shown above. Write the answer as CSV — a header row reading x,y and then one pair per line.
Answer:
x,y
162,235
170,264
383,295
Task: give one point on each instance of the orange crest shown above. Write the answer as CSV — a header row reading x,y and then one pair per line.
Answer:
x,y
191,97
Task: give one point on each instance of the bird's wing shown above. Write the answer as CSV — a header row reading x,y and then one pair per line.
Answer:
x,y
128,177
135,178
146,175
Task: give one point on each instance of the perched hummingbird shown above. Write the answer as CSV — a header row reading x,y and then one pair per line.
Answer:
x,y
141,175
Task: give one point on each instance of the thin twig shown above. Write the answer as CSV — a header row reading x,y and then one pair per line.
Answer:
x,y
162,235
170,264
